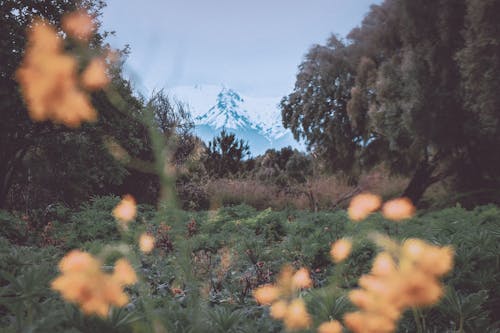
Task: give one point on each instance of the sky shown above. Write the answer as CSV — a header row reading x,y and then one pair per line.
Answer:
x,y
252,46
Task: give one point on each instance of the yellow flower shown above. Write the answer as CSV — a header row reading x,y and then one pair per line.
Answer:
x,y
398,209
79,24
146,243
330,327
124,273
94,76
340,250
392,286
278,309
83,282
363,205
126,210
301,279
266,294
48,79
296,316
383,265
365,322
78,261
420,289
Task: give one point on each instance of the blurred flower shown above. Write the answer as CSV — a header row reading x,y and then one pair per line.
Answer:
x,y
296,316
79,25
94,76
398,209
383,264
301,279
146,243
266,294
124,273
126,210
78,261
432,259
363,205
407,280
282,297
83,282
341,249
48,80
330,327
278,309
360,322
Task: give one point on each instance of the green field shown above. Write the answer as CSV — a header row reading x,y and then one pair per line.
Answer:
x,y
230,252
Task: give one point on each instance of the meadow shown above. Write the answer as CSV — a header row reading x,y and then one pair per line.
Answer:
x,y
233,251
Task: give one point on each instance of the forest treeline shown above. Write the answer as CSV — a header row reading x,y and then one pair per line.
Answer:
x,y
412,91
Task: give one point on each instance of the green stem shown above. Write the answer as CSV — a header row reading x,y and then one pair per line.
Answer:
x,y
416,316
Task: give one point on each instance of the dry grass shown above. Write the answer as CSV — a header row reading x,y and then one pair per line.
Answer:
x,y
325,191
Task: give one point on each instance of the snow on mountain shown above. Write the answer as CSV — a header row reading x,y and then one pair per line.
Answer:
x,y
253,119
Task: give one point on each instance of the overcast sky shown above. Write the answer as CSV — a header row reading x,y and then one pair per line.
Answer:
x,y
253,46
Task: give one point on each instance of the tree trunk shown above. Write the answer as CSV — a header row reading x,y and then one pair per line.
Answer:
x,y
421,180
3,198
7,169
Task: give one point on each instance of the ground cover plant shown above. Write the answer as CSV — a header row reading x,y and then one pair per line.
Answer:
x,y
234,251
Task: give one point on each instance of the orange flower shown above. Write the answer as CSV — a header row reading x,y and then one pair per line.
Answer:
x,y
278,309
361,322
83,282
301,279
124,273
363,205
398,209
78,261
383,265
126,210
266,294
341,249
392,286
146,243
79,24
48,80
330,327
94,76
432,259
296,316
421,289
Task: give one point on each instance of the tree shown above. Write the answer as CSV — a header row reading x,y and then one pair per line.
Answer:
x,y
284,167
479,63
17,133
226,154
51,161
402,103
317,108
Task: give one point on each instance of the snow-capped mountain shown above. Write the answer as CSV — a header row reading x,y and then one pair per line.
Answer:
x,y
256,120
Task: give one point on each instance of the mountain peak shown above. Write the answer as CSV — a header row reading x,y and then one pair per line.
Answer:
x,y
227,112
256,120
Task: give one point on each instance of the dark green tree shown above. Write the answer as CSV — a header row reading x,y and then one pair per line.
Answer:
x,y
317,108
479,63
226,155
402,77
51,162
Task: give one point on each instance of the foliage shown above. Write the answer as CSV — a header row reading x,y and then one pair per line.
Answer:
x,y
284,167
393,94
256,245
225,155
